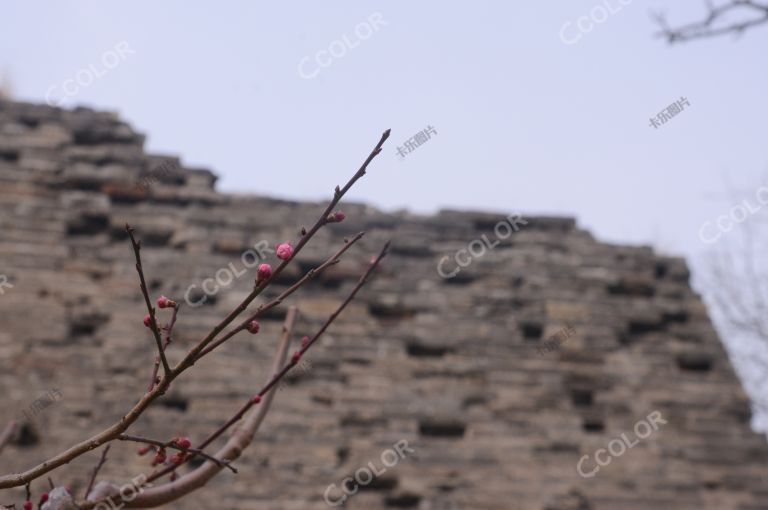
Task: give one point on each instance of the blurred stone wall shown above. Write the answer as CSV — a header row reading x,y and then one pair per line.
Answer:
x,y
501,379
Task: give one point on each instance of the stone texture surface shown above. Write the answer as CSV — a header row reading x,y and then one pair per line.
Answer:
x,y
452,366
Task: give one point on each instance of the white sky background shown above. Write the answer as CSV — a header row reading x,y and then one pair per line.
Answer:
x,y
524,121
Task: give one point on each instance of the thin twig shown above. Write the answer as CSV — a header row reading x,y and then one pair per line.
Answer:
x,y
704,28
262,309
166,343
96,470
176,446
153,322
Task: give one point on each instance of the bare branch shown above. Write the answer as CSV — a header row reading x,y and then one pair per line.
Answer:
x,y
96,470
240,440
177,446
118,428
166,343
711,25
153,321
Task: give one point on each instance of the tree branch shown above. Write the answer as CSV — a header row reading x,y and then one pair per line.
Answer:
x,y
153,322
96,470
235,446
707,27
112,432
166,343
176,446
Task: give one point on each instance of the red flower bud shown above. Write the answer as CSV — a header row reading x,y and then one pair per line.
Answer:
x,y
336,217
296,357
184,442
43,498
178,457
304,341
147,321
255,399
27,505
253,327
263,272
144,450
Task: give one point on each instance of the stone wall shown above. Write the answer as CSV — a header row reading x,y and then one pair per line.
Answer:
x,y
539,352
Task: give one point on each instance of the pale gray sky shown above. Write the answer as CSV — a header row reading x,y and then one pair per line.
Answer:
x,y
524,120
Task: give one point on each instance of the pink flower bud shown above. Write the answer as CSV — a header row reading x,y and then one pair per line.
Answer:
x,y
256,399
304,341
296,357
164,302
336,217
253,327
263,272
178,457
284,251
184,442
144,450
147,321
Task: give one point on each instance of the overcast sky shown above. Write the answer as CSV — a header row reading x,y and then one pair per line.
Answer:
x,y
530,113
